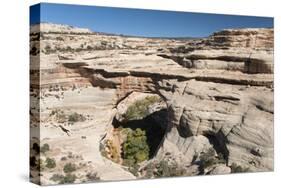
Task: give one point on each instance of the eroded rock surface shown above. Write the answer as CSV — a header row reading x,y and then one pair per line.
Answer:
x,y
218,92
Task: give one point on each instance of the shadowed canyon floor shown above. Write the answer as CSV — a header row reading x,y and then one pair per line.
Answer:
x,y
192,107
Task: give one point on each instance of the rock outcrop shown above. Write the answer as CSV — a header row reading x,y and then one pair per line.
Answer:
x,y
236,118
246,50
218,92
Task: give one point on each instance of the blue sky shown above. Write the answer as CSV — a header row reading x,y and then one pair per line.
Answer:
x,y
139,22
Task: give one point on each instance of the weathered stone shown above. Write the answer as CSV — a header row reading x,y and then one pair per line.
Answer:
x,y
213,90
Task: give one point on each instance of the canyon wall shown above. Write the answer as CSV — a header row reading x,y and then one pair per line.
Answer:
x,y
218,92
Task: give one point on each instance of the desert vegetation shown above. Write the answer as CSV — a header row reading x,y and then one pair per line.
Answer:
x,y
149,106
135,148
71,118
140,108
164,168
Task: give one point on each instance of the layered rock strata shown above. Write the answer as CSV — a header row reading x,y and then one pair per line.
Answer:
x,y
218,93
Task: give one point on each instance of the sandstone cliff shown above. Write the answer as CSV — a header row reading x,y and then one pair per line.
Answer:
x,y
217,91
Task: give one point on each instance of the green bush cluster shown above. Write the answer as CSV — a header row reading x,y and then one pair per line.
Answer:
x,y
71,118
50,163
135,148
69,167
61,179
75,117
140,108
69,177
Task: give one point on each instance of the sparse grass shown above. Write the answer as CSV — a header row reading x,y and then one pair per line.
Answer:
x,y
69,167
140,108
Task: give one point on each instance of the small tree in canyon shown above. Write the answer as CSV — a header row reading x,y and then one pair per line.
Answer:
x,y
135,148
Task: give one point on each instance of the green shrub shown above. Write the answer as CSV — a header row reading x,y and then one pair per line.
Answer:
x,y
238,169
75,117
50,163
135,148
59,115
129,162
68,178
140,108
45,148
69,167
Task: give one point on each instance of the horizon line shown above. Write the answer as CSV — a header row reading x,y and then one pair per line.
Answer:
x,y
142,36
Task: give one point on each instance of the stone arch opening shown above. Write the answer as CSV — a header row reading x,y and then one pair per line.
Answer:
x,y
138,128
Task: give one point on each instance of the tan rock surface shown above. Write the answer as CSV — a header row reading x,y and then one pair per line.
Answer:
x,y
218,90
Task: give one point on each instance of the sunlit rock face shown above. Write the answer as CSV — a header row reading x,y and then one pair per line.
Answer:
x,y
216,94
